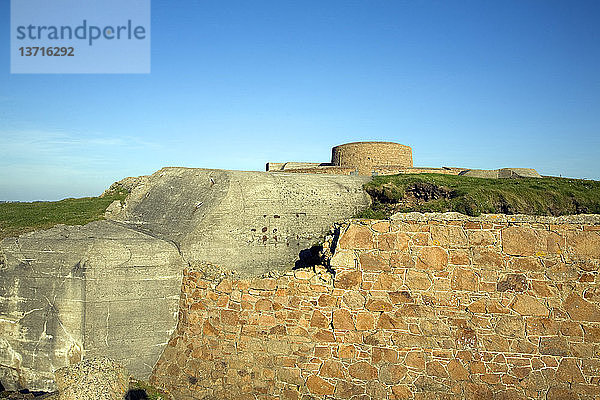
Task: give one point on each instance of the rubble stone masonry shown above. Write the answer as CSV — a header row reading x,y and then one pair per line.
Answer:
x,y
365,155
422,306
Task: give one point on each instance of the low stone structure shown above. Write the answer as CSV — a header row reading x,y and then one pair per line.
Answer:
x,y
357,158
422,306
386,158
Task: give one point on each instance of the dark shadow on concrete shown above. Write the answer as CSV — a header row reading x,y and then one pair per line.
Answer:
x,y
309,257
136,394
334,242
22,394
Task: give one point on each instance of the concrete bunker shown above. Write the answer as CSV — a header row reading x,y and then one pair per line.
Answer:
x,y
112,288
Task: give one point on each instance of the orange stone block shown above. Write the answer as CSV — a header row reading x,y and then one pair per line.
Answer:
x,y
434,258
457,371
348,390
387,281
322,352
364,321
393,241
342,320
318,386
381,226
347,351
401,392
415,359
230,317
209,330
384,354
585,244
363,370
392,373
319,320
356,237
223,300
580,309
348,280
263,305
327,300
378,305
401,297
459,257
464,279
374,262
266,320
332,369
529,305
278,330
386,321
290,394
324,336
435,368
225,286
568,371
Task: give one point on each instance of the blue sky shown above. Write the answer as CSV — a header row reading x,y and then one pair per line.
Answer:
x,y
234,84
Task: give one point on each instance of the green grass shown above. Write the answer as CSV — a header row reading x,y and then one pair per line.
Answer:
x,y
475,196
19,218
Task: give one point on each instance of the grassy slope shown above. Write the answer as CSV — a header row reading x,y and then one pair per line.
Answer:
x,y
474,196
19,218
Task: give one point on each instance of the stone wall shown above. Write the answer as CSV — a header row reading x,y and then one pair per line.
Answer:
x,y
434,306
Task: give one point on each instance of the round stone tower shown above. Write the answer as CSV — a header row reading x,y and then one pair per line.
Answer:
x,y
364,156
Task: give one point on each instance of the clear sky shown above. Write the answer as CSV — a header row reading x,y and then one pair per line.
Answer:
x,y
234,84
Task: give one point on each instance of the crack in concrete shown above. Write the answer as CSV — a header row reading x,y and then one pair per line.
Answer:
x,y
152,235
29,312
107,323
43,336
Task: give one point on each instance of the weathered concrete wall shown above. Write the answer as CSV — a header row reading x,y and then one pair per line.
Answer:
x,y
395,169
435,306
518,173
324,169
250,222
502,173
111,288
293,165
70,292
